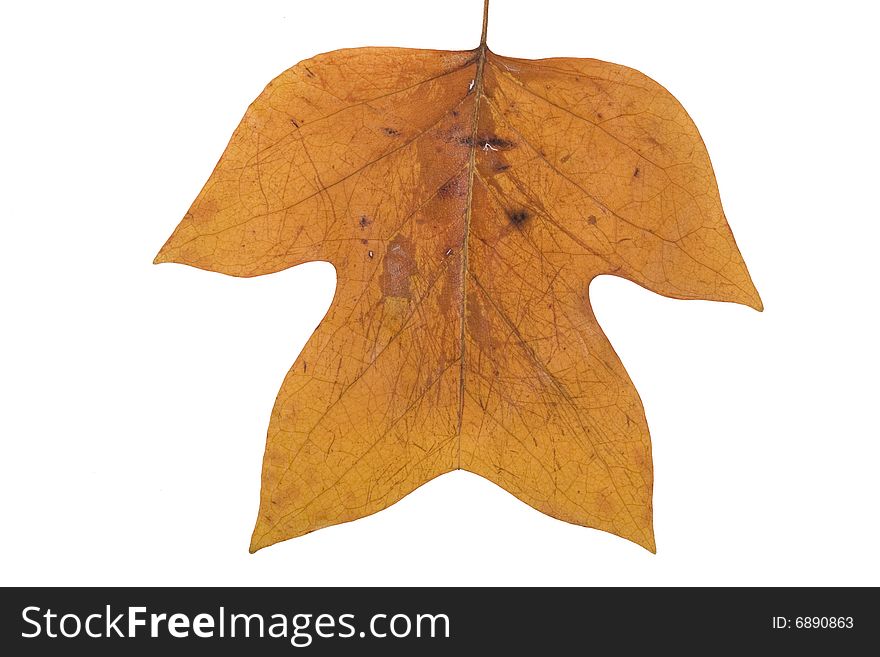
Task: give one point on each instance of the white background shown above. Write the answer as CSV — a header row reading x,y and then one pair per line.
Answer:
x,y
131,450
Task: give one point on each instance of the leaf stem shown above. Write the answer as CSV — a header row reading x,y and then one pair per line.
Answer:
x,y
485,23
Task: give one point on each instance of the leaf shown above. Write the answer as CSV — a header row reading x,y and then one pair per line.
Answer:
x,y
466,201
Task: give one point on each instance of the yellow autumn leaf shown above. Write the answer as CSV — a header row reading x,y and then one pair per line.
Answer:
x,y
466,201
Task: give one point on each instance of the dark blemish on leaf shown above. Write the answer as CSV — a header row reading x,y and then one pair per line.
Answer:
x,y
500,143
565,158
599,115
636,173
495,143
391,132
501,166
399,266
364,222
452,188
591,220
305,366
448,252
518,217
466,141
293,121
454,112
309,72
365,241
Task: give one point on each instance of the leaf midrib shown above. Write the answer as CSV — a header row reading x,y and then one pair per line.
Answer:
x,y
478,91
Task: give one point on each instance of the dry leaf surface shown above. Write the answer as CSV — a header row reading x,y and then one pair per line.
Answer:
x,y
466,201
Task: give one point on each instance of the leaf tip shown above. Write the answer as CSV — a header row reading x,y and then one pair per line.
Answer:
x,y
162,256
754,300
256,544
747,295
647,540
262,536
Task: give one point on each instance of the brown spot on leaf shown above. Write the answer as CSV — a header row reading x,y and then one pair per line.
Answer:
x,y
391,132
495,143
456,187
591,220
518,217
363,222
